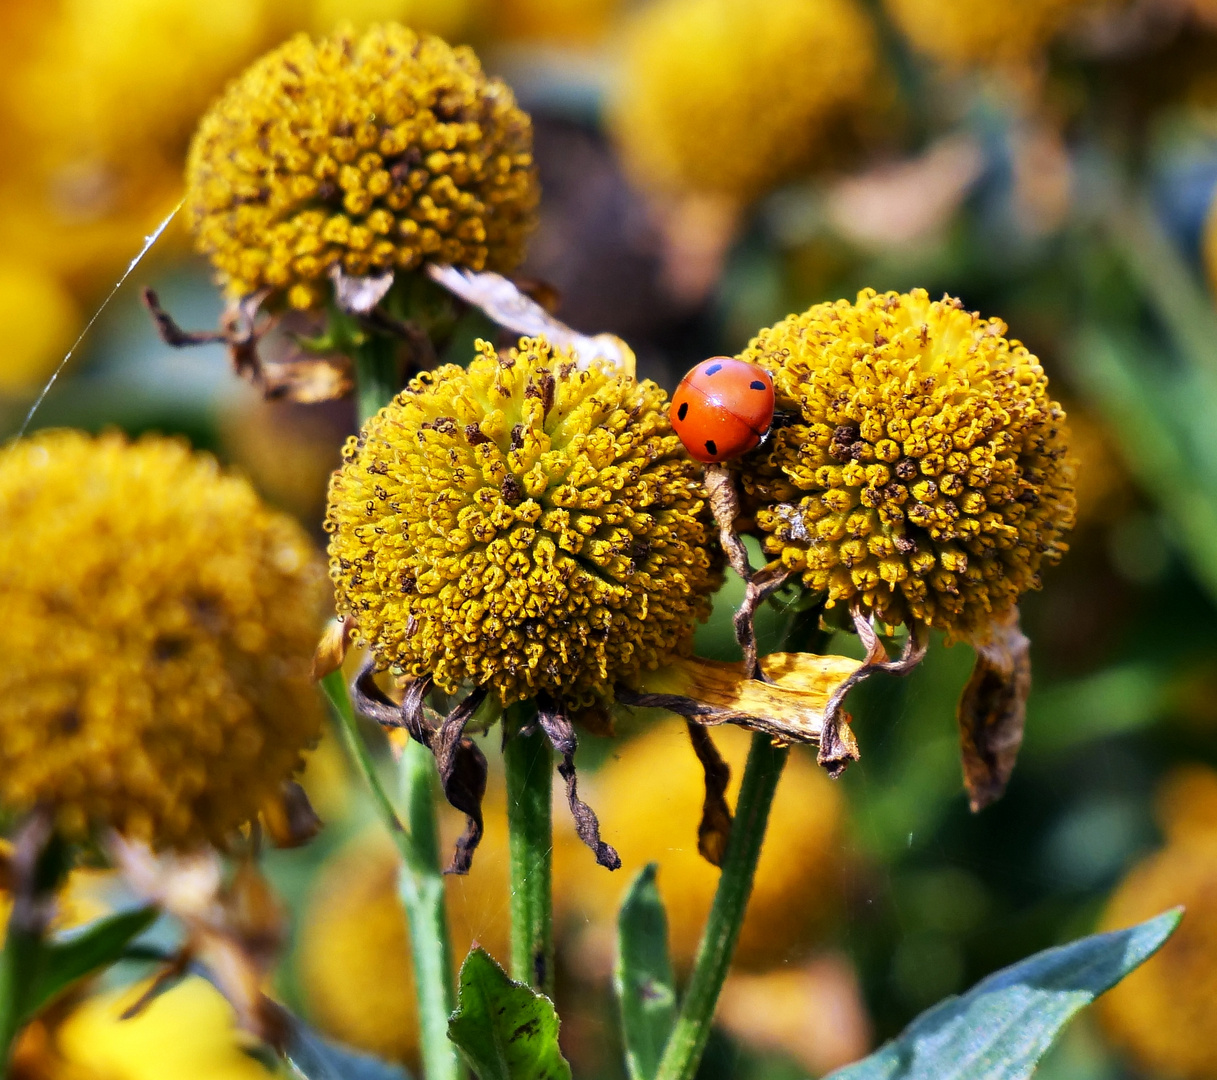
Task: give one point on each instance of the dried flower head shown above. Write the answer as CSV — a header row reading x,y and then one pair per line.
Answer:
x,y
523,526
158,626
963,32
725,98
369,154
925,475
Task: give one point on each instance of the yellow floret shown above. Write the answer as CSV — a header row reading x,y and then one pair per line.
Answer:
x,y
369,153
925,474
159,622
728,98
522,525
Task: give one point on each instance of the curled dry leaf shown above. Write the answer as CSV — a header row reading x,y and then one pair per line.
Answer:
x,y
233,929
789,704
505,304
993,711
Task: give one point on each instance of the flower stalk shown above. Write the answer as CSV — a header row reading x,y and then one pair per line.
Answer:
x,y
529,763
688,1039
421,883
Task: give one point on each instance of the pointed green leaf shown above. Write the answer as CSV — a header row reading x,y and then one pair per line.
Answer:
x,y
643,978
65,959
1001,1028
503,1029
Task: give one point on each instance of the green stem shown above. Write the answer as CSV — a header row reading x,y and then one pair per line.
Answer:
x,y
421,882
688,1039
335,688
421,886
375,374
529,764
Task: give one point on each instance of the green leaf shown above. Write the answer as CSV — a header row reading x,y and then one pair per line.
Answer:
x,y
317,1058
68,958
643,978
503,1029
1001,1028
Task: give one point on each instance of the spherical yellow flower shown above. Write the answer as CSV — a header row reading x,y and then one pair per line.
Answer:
x,y
1165,1013
369,153
925,475
649,799
354,954
108,79
963,32
159,623
522,525
724,98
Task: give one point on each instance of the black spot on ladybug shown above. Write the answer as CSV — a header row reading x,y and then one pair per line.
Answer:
x,y
756,384
714,369
710,447
683,411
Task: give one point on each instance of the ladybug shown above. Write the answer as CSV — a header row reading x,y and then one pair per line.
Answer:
x,y
722,408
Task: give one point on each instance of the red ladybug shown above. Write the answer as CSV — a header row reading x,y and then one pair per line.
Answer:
x,y
722,408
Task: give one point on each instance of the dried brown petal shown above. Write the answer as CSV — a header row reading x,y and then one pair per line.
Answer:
x,y
993,711
714,829
561,734
790,705
506,305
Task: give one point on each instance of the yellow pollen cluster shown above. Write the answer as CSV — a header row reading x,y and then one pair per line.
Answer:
x,y
521,525
158,627
368,153
925,475
725,98
964,32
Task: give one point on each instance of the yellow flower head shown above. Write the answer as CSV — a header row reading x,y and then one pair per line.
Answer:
x,y
964,32
1164,1013
368,153
156,639
796,892
726,98
522,525
925,475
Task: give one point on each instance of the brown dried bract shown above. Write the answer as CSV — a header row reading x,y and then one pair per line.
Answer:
x,y
233,929
297,375
993,711
714,829
507,305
